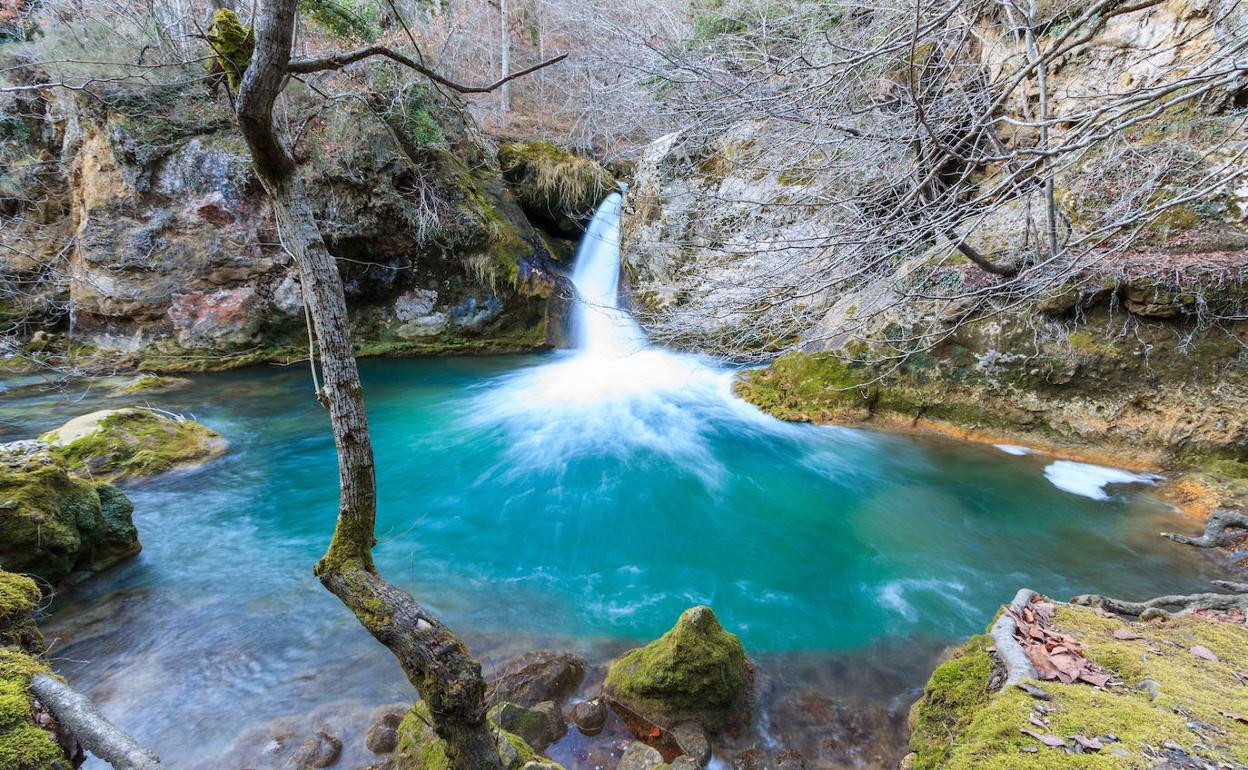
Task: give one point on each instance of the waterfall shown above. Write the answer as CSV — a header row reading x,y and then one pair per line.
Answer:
x,y
601,327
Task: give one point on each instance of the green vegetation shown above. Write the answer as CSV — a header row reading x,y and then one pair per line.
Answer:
x,y
412,114
54,523
801,386
960,725
23,744
553,185
696,671
349,19
149,383
421,749
116,443
232,46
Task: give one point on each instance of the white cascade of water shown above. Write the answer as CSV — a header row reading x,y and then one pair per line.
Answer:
x,y
601,327
614,394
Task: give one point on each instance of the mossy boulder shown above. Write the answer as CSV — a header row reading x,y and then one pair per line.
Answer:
x,y
25,744
963,723
54,523
420,748
112,444
695,672
149,383
555,188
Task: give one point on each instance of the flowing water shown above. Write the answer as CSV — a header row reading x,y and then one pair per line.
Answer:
x,y
576,500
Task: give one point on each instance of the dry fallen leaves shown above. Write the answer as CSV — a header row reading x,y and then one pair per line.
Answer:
x,y
1056,656
1238,717
1201,651
1125,634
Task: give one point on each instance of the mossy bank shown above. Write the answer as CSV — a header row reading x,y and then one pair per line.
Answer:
x,y
1164,702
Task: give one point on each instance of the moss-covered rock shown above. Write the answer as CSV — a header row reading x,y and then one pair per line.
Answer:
x,y
55,523
420,748
24,743
697,672
149,383
961,723
556,188
19,596
119,443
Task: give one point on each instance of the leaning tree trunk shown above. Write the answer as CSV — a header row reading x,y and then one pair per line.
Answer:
x,y
434,659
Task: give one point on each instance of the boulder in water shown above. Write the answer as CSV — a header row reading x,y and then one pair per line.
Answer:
x,y
420,748
319,751
639,756
53,523
589,716
695,672
112,444
539,726
536,677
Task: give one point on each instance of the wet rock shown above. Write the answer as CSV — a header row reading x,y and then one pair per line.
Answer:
x,y
790,759
750,759
639,756
589,716
383,737
321,750
536,677
111,444
538,726
695,672
55,524
683,763
693,741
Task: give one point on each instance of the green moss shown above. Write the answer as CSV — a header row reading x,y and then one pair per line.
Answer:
x,y
23,744
421,749
697,671
113,444
232,45
959,725
351,19
801,386
149,383
18,595
553,185
54,523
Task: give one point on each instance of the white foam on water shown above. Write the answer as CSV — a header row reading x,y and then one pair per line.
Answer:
x,y
1011,449
1089,480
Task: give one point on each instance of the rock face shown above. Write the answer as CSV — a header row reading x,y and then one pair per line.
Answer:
x,y
695,672
964,722
54,523
177,264
112,444
1168,389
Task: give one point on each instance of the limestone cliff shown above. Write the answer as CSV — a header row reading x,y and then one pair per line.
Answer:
x,y
148,239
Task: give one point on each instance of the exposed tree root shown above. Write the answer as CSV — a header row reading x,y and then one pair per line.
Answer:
x,y
1167,606
1011,654
1222,528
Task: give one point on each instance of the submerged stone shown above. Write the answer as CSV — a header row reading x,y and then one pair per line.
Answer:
x,y
53,523
695,672
112,444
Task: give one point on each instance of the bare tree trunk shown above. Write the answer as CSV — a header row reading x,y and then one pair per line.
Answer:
x,y
434,659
